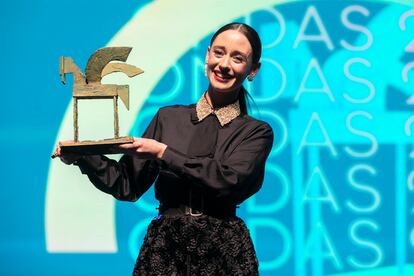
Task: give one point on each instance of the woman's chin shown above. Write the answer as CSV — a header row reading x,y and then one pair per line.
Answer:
x,y
223,87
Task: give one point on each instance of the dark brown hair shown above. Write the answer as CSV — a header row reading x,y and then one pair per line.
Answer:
x,y
256,44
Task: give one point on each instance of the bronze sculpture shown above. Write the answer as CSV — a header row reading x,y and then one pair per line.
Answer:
x,y
89,86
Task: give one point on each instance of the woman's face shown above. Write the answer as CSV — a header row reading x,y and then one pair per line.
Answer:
x,y
229,61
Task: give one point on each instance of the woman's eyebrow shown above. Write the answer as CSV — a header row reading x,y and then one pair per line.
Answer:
x,y
218,47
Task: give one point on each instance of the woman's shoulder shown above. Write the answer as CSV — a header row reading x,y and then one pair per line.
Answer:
x,y
176,108
256,123
176,112
253,128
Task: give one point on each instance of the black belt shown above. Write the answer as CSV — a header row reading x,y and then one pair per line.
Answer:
x,y
184,210
195,202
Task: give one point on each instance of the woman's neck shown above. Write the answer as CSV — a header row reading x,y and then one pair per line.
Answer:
x,y
220,99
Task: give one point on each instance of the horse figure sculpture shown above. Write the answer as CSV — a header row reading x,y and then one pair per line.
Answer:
x,y
90,87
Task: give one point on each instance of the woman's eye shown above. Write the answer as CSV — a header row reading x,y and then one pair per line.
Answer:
x,y
238,59
218,53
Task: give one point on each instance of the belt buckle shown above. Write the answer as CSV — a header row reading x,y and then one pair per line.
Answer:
x,y
189,211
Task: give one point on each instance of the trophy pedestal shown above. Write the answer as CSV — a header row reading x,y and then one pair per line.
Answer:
x,y
106,146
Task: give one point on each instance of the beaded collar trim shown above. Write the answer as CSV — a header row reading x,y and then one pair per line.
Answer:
x,y
224,114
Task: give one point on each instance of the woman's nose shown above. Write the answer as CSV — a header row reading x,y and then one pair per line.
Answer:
x,y
224,63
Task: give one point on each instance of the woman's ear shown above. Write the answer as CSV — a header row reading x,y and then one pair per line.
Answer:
x,y
206,61
254,71
207,54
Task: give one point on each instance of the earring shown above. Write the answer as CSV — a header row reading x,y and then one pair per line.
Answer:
x,y
250,77
205,69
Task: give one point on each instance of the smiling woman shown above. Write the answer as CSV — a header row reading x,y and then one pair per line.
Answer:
x,y
233,54
229,60
205,159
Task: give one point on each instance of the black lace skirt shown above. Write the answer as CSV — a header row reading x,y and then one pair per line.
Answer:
x,y
204,245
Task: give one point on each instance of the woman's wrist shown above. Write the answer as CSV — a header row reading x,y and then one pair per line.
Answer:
x,y
160,153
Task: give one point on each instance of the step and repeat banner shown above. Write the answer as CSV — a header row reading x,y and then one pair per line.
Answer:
x,y
336,84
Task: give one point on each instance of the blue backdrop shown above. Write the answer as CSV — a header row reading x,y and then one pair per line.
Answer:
x,y
336,84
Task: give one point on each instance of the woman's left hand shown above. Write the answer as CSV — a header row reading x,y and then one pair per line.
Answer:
x,y
144,148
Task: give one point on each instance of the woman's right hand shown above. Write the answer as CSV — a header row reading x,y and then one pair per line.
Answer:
x,y
67,159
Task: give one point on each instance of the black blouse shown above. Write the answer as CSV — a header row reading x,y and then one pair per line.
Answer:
x,y
203,161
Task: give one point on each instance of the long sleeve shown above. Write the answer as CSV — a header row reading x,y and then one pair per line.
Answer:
x,y
240,174
127,179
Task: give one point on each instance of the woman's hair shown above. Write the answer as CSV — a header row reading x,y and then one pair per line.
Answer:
x,y
251,35
256,44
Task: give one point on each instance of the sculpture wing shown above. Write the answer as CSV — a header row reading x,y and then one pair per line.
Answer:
x,y
101,58
129,70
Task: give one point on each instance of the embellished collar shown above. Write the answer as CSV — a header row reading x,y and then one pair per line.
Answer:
x,y
224,114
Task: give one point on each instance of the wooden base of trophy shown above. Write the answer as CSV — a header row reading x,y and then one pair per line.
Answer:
x,y
106,146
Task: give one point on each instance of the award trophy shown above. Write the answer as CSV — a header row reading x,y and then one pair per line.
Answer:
x,y
89,86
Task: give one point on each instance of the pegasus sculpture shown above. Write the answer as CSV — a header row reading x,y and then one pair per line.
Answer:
x,y
89,86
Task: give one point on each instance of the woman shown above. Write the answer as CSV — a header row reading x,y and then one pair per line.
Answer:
x,y
205,159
